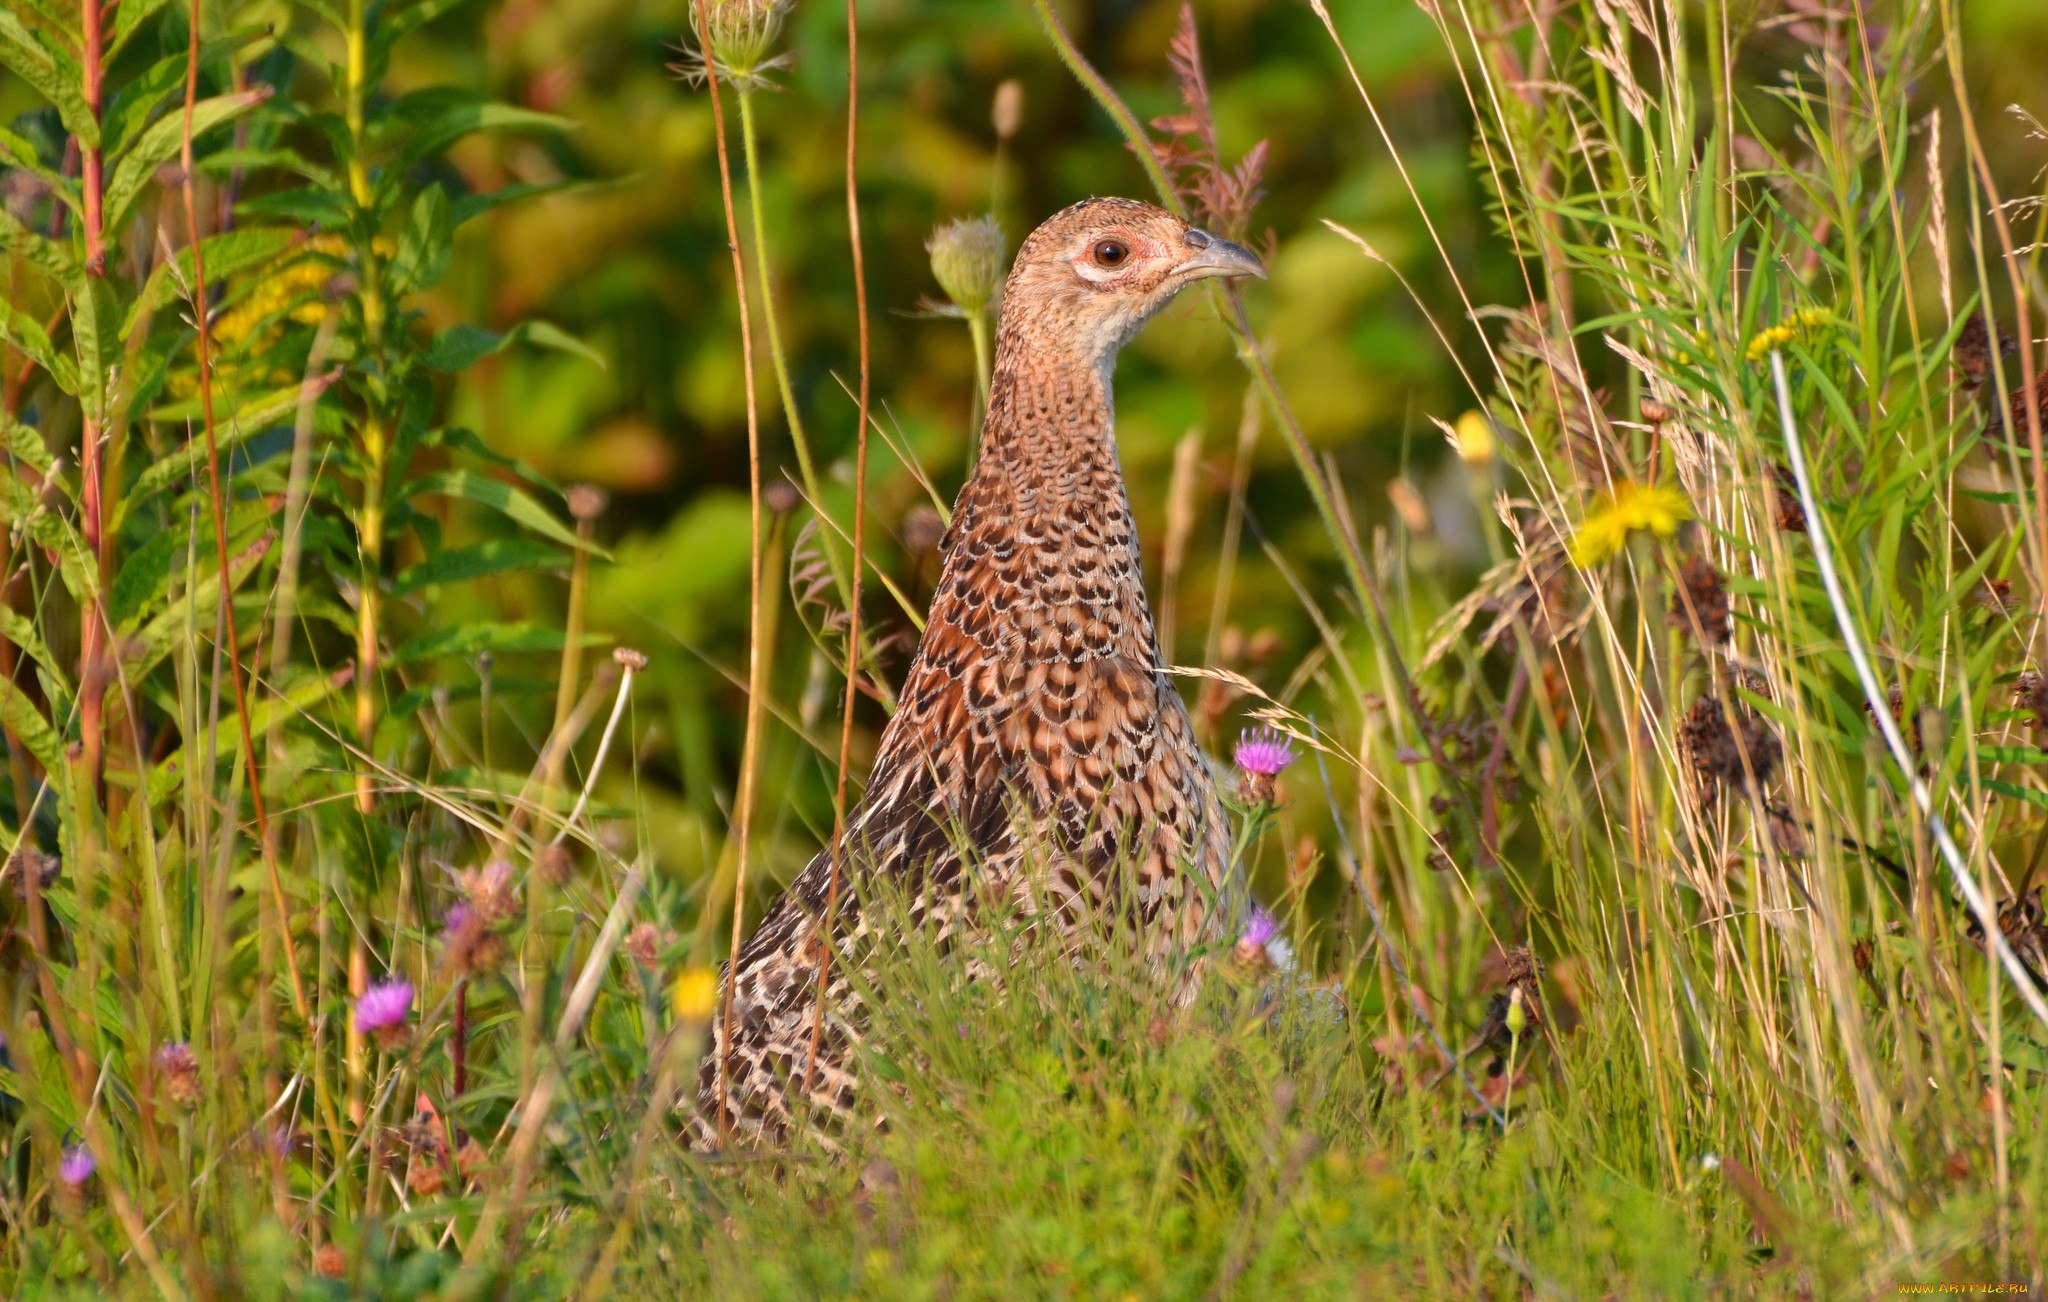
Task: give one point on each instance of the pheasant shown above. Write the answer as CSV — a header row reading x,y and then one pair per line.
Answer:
x,y
1039,755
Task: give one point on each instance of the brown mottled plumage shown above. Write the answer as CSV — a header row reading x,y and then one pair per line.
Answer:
x,y
1039,755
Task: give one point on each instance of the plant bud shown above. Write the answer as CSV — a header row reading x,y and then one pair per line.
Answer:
x,y
967,260
1009,108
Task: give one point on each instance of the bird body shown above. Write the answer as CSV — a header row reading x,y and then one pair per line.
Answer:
x,y
1039,755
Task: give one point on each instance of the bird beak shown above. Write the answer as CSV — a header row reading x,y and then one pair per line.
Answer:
x,y
1210,256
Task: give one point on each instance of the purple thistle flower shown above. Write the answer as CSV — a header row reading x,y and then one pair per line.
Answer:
x,y
384,1006
456,920
76,1166
1263,751
1259,928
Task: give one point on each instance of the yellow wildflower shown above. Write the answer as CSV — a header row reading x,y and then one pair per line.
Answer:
x,y
1473,439
1655,508
1801,323
694,994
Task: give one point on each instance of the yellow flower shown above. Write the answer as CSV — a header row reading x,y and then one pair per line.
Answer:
x,y
1803,322
1626,508
694,994
1473,439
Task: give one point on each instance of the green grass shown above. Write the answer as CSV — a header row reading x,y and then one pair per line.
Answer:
x,y
1767,1050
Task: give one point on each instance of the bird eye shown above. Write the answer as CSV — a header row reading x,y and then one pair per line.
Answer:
x,y
1111,253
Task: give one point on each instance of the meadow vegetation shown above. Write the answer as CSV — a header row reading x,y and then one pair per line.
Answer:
x,y
474,477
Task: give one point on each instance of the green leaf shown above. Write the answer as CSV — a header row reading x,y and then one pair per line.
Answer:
x,y
26,722
161,141
20,630
249,541
428,241
41,252
500,496
470,639
227,254
460,564
167,777
235,425
27,334
308,205
2017,792
143,581
462,346
391,26
53,74
434,119
18,152
92,319
129,16
2013,754
25,444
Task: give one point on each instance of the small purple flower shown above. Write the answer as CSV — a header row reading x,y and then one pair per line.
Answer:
x,y
1263,751
457,919
76,1166
1259,928
384,1007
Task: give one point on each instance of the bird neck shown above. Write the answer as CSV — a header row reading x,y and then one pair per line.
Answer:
x,y
1049,414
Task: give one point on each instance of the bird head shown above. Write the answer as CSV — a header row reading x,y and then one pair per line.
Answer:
x,y
1090,275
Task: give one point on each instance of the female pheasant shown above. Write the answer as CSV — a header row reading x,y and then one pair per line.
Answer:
x,y
1039,755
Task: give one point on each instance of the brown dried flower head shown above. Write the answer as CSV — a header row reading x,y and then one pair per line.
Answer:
x,y
644,944
1791,516
492,890
425,1178
178,1071
2030,693
1975,347
1699,606
554,865
1720,754
30,864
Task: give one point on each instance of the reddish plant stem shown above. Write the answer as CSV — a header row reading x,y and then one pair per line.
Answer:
x,y
743,800
92,678
220,524
860,502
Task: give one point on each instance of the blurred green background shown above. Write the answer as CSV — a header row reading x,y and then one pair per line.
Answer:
x,y
633,261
